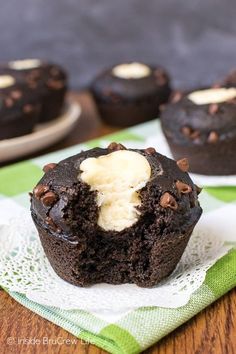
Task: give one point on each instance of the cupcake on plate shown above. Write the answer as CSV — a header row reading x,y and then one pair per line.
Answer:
x,y
201,126
115,215
130,93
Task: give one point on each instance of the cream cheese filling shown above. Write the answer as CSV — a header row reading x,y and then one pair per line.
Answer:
x,y
213,95
117,178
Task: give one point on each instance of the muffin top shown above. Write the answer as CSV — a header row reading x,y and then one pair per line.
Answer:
x,y
131,81
115,191
36,74
205,116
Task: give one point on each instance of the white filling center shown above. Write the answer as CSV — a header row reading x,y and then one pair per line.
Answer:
x,y
6,81
131,71
118,178
24,64
213,95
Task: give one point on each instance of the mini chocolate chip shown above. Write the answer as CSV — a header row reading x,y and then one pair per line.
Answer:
x,y
186,130
116,146
176,97
8,102
16,94
40,190
183,187
213,108
183,164
28,108
190,132
198,189
51,223
49,166
55,84
150,151
168,201
213,137
49,198
195,134
161,77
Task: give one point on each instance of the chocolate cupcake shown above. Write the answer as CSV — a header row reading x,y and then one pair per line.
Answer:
x,y
19,108
202,127
115,215
48,81
130,93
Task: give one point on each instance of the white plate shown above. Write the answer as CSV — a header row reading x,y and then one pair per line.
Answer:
x,y
43,136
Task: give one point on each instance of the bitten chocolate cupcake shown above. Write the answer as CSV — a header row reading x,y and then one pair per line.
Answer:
x,y
19,108
115,215
47,80
130,93
202,127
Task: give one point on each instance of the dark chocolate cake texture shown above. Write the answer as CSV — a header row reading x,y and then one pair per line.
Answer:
x,y
201,125
115,215
130,93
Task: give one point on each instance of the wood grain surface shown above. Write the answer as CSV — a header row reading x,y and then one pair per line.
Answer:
x,y
213,331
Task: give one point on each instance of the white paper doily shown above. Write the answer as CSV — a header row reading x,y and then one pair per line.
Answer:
x,y
25,269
